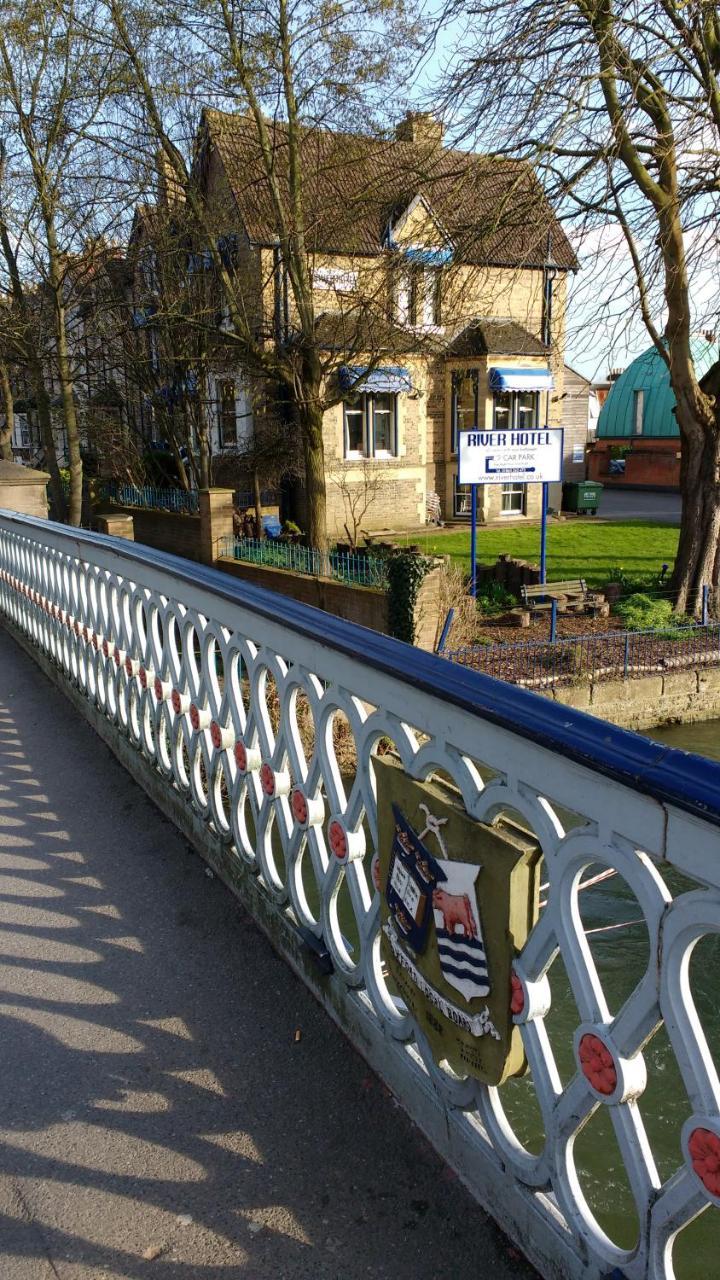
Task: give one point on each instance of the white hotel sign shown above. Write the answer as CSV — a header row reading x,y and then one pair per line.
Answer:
x,y
510,457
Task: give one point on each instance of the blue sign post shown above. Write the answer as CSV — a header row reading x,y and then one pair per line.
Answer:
x,y
543,534
473,540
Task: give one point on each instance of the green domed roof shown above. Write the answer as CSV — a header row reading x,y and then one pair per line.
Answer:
x,y
649,374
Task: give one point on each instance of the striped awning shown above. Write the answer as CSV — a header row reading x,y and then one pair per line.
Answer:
x,y
391,379
521,380
428,257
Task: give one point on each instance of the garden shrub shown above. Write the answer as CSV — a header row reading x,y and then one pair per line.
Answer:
x,y
634,583
641,612
494,598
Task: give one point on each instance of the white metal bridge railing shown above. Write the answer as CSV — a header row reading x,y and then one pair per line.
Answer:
x,y
264,717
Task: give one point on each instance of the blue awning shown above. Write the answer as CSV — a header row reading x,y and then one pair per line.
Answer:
x,y
521,380
391,380
429,257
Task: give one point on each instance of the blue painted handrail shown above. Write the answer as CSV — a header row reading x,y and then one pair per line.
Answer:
x,y
690,782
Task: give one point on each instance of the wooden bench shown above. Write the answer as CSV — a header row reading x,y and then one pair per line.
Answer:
x,y
572,597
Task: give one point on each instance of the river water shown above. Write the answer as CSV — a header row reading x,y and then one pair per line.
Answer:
x,y
704,739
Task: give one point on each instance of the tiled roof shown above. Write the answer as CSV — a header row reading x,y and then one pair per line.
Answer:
x,y
493,208
364,331
496,337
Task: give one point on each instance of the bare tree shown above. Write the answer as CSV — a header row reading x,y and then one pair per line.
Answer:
x,y
270,62
54,85
6,429
22,330
619,106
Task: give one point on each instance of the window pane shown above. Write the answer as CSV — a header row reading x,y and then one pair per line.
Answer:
x,y
464,405
437,297
638,408
513,498
527,409
416,293
431,298
503,406
227,414
463,499
383,423
403,299
354,424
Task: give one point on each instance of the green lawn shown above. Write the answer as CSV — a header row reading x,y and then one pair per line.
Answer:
x,y
575,549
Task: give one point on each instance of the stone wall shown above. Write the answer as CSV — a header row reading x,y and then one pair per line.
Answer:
x,y
367,606
23,489
650,700
196,537
167,531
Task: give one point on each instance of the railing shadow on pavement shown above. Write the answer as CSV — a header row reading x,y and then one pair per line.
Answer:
x,y
152,1101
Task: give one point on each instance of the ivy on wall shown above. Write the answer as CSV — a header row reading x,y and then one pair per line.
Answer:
x,y
405,572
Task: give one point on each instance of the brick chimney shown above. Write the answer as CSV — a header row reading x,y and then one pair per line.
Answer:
x,y
420,127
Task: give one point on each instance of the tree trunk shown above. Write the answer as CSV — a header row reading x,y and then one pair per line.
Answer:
x,y
257,495
35,371
67,392
697,561
311,417
204,457
6,453
58,506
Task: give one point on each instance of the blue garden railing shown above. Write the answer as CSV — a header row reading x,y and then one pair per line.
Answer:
x,y
354,568
246,498
609,656
150,497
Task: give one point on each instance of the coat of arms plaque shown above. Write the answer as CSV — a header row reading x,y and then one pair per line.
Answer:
x,y
459,898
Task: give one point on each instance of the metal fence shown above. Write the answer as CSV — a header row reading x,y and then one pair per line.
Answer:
x,y
150,497
352,567
609,656
246,498
260,737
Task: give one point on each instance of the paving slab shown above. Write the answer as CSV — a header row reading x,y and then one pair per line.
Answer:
x,y
174,1103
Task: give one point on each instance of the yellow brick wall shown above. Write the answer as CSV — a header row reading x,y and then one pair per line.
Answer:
x,y
425,461
398,484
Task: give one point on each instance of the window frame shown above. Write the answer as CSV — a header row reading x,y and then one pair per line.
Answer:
x,y
462,498
371,432
511,490
418,297
638,420
223,412
348,453
369,448
456,375
514,424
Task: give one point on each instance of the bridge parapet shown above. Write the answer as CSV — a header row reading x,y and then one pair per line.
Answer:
x,y
262,720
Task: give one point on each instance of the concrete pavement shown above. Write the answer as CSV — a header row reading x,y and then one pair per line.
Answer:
x,y
639,504
174,1103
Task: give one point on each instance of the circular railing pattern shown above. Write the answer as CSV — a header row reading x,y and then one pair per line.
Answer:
x,y
276,753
